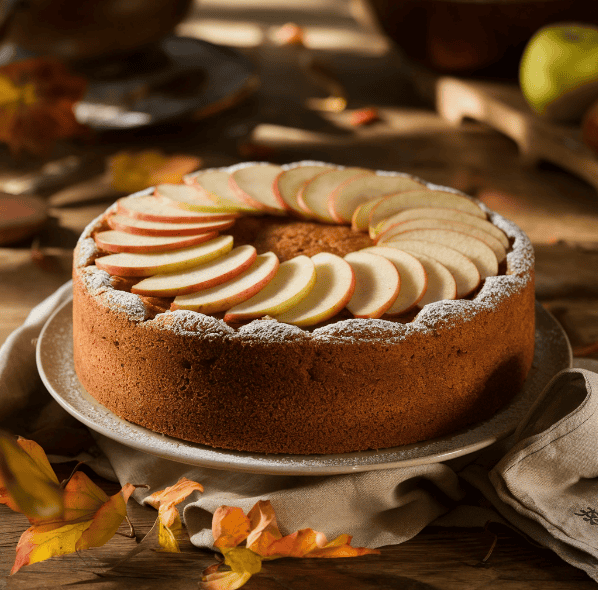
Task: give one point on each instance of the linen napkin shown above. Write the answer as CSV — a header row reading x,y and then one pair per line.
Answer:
x,y
542,479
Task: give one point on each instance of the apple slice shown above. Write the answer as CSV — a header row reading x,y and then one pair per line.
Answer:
x,y
430,223
476,250
440,213
464,271
335,284
159,228
294,279
361,216
150,208
441,283
346,197
377,284
422,198
253,184
314,195
239,289
127,264
413,276
289,182
188,198
214,185
119,241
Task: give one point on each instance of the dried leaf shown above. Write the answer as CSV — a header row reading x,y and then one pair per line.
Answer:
x,y
27,482
289,34
364,116
169,520
131,172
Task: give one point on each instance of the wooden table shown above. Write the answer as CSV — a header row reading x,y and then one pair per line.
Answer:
x,y
557,210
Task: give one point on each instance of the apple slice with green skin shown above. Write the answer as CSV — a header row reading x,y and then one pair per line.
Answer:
x,y
414,280
464,271
334,287
427,223
392,204
314,195
361,216
188,198
127,264
214,185
150,208
240,288
294,279
198,277
440,213
290,181
140,227
377,284
353,192
253,184
119,241
476,250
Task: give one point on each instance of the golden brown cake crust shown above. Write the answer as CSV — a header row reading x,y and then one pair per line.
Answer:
x,y
273,388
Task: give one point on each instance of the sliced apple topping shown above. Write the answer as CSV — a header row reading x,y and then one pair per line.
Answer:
x,y
414,280
377,284
290,181
203,276
464,271
421,198
240,288
333,289
294,279
253,184
143,265
160,228
150,208
313,197
119,241
361,216
445,224
440,213
441,283
188,198
353,192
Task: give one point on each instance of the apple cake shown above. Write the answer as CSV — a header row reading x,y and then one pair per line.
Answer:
x,y
302,309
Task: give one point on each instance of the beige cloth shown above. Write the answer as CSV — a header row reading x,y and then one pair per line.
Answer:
x,y
542,480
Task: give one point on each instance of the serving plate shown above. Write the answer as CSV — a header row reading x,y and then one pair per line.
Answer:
x,y
56,367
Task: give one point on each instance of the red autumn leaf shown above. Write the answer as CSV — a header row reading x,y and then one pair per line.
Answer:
x,y
364,116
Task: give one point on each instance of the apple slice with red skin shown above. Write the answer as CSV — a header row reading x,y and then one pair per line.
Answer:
x,y
440,213
240,288
441,283
360,221
421,198
294,279
377,284
290,181
188,198
314,195
430,223
202,276
414,280
334,287
119,241
151,208
464,271
253,184
350,194
127,264
476,250
160,228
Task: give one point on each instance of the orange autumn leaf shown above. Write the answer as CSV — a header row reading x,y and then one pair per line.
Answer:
x,y
37,97
364,116
169,519
131,172
27,482
290,34
90,519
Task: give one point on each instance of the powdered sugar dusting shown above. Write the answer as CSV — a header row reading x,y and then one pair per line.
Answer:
x,y
128,303
271,330
86,252
96,280
186,322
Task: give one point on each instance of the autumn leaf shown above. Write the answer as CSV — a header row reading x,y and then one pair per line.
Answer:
x,y
37,97
169,520
27,482
263,540
131,172
364,116
90,519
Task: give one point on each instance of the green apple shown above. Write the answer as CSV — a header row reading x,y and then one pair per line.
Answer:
x,y
558,73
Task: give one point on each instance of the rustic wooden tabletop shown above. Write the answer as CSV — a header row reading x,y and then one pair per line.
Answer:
x,y
557,210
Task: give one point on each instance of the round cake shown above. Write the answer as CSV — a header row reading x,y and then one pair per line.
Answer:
x,y
302,309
